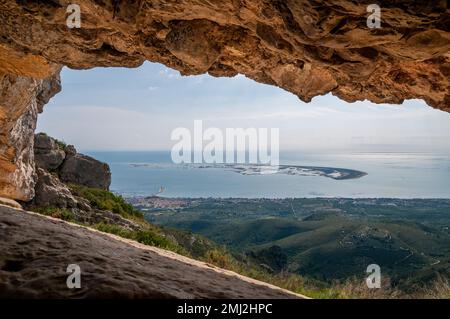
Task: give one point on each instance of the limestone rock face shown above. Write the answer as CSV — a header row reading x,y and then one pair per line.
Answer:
x,y
307,47
47,153
70,150
85,170
51,192
21,99
57,164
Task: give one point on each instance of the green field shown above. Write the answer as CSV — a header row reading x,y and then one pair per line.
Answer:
x,y
326,240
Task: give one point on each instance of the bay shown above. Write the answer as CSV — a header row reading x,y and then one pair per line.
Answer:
x,y
389,175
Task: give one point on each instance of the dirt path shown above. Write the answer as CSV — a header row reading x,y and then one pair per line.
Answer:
x,y
36,250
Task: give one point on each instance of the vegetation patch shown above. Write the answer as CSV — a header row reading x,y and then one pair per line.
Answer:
x,y
322,247
105,200
61,144
147,237
55,212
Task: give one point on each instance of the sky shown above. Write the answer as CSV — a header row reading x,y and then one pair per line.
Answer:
x,y
137,109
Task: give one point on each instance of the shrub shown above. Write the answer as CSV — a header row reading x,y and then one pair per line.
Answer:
x,y
220,258
112,229
55,212
105,200
61,144
146,237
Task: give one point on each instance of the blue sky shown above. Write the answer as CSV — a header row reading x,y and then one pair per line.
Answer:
x,y
137,109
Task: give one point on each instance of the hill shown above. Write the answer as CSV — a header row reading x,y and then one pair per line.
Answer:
x,y
327,240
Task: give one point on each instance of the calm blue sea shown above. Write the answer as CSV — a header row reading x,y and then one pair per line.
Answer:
x,y
402,175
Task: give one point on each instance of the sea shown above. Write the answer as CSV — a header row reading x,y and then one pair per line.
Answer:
x,y
389,175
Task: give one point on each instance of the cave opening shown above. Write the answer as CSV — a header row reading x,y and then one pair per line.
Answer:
x,y
361,188
127,115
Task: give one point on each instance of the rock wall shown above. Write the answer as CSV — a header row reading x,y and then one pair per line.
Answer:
x,y
21,99
69,165
309,48
61,176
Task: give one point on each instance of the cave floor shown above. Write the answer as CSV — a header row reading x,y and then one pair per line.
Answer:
x,y
36,251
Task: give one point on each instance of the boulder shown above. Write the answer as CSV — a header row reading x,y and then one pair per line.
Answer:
x,y
48,154
51,192
70,150
85,170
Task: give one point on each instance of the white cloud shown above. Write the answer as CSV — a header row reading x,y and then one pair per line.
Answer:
x,y
169,74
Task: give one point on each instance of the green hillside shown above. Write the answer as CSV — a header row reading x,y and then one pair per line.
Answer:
x,y
327,239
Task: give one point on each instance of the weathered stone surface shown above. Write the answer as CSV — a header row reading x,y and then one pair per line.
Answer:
x,y
25,64
47,153
112,267
307,47
10,203
54,159
85,170
70,150
21,98
51,192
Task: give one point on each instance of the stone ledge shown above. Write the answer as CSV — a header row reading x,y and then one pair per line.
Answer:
x,y
40,248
